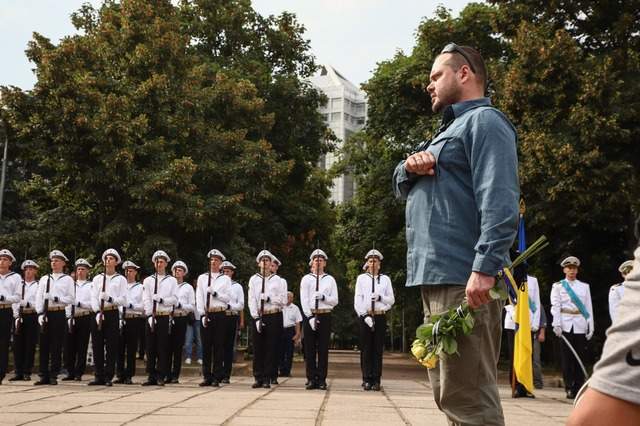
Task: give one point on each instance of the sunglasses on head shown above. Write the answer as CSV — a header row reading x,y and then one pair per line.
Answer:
x,y
454,48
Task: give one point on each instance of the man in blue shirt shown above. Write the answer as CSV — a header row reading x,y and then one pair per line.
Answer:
x,y
461,191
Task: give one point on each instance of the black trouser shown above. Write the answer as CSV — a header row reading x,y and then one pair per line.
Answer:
x,y
128,347
213,346
176,344
105,340
286,350
6,319
51,340
372,348
157,344
24,344
511,334
75,346
316,348
265,347
142,340
571,371
230,328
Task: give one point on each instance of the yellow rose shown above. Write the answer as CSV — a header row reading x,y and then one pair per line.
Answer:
x,y
430,362
418,350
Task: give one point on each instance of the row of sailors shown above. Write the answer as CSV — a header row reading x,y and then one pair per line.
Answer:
x,y
114,309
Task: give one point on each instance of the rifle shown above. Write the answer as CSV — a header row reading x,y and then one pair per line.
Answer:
x,y
19,323
73,305
315,318
262,292
206,313
104,288
373,302
46,303
155,304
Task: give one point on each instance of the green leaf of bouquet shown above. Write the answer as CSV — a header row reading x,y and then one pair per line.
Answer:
x,y
424,332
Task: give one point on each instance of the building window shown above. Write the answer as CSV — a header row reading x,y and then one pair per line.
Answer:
x,y
336,104
335,116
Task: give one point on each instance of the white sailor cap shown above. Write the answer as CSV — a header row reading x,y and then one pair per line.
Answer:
x,y
374,253
28,263
160,253
316,253
129,264
277,261
216,253
58,254
180,264
570,261
7,253
264,253
626,266
227,264
83,262
111,252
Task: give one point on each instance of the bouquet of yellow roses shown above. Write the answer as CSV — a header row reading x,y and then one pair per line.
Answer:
x,y
439,334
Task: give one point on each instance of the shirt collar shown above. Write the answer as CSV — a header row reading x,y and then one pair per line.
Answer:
x,y
456,110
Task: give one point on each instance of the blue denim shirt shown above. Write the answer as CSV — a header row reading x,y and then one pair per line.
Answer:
x,y
465,217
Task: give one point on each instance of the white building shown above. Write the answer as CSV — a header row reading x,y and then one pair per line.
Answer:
x,y
345,113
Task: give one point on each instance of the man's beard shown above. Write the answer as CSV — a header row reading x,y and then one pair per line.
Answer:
x,y
445,98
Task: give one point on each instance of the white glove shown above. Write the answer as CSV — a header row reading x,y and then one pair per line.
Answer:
x,y
589,335
203,320
318,295
264,296
47,296
151,321
557,330
104,296
18,321
369,322
70,323
122,323
98,318
24,303
41,320
375,296
259,325
157,298
210,290
313,322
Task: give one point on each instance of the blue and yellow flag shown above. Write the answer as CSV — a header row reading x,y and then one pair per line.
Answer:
x,y
522,360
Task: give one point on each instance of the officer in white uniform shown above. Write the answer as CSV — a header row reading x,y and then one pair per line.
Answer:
x,y
181,313
572,318
318,297
213,294
510,326
266,297
109,292
234,319
132,320
79,319
617,290
373,298
55,292
291,334
25,336
10,292
160,294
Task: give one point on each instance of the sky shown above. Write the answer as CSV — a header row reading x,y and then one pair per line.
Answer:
x,y
350,35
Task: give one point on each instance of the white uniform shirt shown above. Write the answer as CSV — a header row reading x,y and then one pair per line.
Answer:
x,y
186,299
534,311
274,287
83,297
615,296
115,287
236,303
291,315
10,288
30,292
560,300
328,288
362,296
221,284
134,303
60,286
167,289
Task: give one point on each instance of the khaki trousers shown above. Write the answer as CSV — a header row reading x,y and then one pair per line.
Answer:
x,y
465,386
